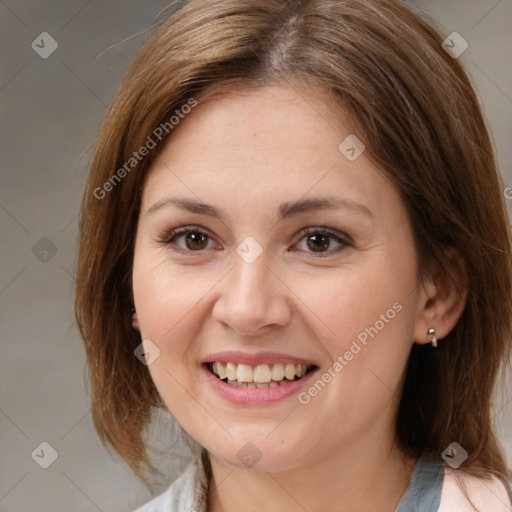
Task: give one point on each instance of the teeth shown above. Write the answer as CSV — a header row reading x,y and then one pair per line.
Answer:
x,y
262,373
231,371
244,373
278,372
221,371
253,385
260,376
289,371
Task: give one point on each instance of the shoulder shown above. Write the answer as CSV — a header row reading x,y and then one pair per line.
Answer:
x,y
183,495
486,494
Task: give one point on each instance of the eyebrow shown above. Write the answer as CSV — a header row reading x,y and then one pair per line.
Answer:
x,y
288,209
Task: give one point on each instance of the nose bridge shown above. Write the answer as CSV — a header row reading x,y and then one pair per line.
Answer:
x,y
252,297
249,284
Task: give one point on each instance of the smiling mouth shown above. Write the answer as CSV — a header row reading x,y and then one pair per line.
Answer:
x,y
259,377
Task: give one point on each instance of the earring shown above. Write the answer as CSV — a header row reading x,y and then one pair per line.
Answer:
x,y
432,332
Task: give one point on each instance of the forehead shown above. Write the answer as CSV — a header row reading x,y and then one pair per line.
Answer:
x,y
270,117
276,142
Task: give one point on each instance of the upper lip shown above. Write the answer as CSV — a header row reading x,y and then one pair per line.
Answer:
x,y
238,357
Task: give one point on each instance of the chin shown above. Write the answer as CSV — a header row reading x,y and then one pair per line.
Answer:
x,y
258,455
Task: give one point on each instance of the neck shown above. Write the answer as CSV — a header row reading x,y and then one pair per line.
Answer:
x,y
358,476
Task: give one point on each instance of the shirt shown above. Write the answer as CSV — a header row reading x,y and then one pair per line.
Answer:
x,y
434,487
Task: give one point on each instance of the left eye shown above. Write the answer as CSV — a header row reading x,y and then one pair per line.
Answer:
x,y
319,241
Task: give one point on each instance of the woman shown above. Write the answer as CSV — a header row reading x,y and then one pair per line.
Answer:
x,y
293,238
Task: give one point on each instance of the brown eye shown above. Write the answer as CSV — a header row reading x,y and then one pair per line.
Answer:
x,y
318,242
195,240
321,242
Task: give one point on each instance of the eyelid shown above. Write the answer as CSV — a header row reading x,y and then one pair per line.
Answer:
x,y
182,230
328,231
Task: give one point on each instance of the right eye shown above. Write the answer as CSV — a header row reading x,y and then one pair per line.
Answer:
x,y
194,239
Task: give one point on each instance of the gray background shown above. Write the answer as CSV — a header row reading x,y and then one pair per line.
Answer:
x,y
51,113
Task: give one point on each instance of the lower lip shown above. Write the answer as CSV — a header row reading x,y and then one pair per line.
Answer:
x,y
244,396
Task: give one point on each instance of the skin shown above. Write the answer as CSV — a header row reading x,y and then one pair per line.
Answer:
x,y
246,153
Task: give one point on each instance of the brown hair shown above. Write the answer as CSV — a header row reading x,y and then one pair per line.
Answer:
x,y
414,108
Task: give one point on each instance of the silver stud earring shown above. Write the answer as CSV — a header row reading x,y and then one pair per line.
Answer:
x,y
432,332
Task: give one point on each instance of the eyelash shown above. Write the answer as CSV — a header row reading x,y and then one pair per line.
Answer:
x,y
169,238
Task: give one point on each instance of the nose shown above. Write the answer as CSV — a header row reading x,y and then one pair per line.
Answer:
x,y
253,298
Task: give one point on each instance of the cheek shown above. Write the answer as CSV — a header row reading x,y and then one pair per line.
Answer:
x,y
366,320
167,302
373,315
166,297
356,301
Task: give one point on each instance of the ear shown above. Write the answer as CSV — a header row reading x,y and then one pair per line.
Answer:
x,y
442,298
135,322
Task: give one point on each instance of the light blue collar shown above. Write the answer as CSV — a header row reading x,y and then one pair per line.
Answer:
x,y
424,491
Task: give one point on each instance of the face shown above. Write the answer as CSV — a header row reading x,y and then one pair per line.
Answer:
x,y
308,310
